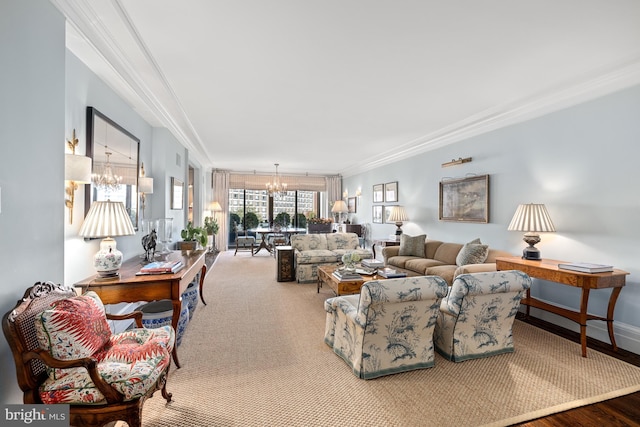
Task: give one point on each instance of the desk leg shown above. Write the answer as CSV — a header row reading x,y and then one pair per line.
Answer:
x,y
584,303
177,306
202,273
612,305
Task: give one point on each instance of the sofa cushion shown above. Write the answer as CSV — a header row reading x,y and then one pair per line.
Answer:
x,y
317,256
445,271
447,253
412,246
473,252
421,265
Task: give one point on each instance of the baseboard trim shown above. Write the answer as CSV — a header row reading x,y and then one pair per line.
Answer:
x,y
627,336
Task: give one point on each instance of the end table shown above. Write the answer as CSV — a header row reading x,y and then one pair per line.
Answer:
x,y
284,264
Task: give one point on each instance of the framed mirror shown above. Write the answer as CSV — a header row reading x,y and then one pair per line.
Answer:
x,y
116,167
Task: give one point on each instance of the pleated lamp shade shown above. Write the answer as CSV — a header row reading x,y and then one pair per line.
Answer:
x,y
531,217
107,219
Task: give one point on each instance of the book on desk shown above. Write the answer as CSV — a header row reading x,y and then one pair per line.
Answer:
x,y
586,267
161,267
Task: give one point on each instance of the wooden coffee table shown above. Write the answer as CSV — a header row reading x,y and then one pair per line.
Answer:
x,y
341,287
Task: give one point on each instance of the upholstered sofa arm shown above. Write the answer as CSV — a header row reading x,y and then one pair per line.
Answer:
x,y
475,268
390,251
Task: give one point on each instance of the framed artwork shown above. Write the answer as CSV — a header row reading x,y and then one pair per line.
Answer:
x,y
377,214
465,200
391,192
387,214
352,205
177,189
378,193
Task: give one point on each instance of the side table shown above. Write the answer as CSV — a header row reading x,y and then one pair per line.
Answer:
x,y
284,264
547,269
383,243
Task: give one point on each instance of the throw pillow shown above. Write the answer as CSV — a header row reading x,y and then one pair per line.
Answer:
x,y
473,252
412,246
73,328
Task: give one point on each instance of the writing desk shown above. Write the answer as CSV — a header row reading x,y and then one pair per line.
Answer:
x,y
547,269
131,288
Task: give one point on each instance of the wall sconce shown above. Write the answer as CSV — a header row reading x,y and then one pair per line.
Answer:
x,y
359,192
145,186
77,170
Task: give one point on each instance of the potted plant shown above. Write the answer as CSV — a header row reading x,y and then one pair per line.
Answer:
x,y
320,225
211,227
191,236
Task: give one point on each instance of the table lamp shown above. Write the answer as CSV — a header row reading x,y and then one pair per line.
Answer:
x,y
340,207
398,215
531,218
107,219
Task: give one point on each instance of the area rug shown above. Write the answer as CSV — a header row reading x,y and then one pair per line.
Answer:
x,y
255,356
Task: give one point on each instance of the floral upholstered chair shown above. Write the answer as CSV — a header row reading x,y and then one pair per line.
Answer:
x,y
388,328
476,318
65,352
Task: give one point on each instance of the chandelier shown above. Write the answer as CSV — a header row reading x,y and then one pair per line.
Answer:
x,y
276,188
107,180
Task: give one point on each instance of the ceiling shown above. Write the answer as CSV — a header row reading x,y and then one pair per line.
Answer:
x,y
342,86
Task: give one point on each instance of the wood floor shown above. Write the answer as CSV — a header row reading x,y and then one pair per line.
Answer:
x,y
618,412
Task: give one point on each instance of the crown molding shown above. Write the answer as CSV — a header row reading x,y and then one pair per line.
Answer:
x,y
624,75
130,69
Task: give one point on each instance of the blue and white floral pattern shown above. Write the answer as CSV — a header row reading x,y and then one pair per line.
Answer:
x,y
476,318
388,328
312,250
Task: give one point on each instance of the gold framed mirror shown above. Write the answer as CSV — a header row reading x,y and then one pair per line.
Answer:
x,y
116,166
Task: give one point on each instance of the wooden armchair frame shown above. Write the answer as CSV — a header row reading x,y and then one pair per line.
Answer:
x,y
31,361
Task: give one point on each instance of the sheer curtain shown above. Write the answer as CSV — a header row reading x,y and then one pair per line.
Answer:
x,y
221,195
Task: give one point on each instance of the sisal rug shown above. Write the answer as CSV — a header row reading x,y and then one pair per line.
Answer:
x,y
255,356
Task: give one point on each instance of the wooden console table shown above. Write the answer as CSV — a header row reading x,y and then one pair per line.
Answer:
x,y
547,269
131,288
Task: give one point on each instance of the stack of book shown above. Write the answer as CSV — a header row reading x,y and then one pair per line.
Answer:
x,y
161,267
372,263
586,267
390,273
344,275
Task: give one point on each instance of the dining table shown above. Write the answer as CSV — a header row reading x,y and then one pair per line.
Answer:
x,y
264,232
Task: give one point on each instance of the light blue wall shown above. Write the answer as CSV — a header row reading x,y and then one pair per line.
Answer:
x,y
32,134
581,162
83,89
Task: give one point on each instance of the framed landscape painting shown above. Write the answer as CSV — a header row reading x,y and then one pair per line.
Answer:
x,y
352,205
465,200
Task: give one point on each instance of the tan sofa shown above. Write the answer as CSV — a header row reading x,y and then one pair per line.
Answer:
x,y
439,260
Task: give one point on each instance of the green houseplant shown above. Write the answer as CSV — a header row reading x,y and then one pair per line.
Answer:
x,y
195,235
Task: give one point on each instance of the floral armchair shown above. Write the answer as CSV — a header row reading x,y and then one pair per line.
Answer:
x,y
388,328
476,318
65,352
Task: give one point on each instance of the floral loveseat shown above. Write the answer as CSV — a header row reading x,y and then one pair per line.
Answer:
x,y
419,256
312,250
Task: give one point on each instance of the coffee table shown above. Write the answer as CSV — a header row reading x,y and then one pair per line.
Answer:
x,y
341,287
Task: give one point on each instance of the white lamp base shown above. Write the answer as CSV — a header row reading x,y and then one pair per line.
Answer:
x,y
108,259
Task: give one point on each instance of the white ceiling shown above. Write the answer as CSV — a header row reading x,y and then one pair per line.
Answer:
x,y
341,86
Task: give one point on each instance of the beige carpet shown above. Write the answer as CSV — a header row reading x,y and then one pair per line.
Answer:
x,y
255,356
